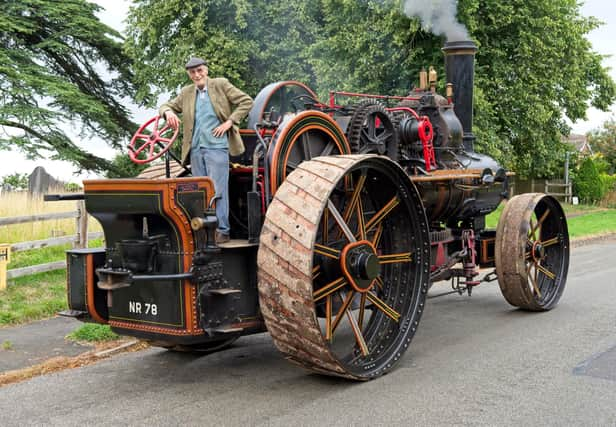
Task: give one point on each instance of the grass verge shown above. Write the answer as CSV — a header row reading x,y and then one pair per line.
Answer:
x,y
33,297
594,223
583,220
93,332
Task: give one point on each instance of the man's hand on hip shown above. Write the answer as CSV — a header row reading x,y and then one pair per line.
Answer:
x,y
172,119
222,129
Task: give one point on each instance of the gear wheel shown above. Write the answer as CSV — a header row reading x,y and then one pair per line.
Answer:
x,y
371,130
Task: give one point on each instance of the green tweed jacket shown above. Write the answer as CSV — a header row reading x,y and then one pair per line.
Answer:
x,y
228,102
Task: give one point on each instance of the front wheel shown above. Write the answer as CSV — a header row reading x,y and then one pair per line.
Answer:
x,y
532,252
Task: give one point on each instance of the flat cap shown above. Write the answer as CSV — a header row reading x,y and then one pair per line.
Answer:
x,y
195,62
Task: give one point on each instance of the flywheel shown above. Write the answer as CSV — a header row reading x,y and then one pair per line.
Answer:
x,y
372,130
301,137
532,251
343,265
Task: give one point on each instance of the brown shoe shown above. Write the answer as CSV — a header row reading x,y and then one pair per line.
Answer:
x,y
222,238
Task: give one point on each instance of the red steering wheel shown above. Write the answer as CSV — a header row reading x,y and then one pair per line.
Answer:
x,y
154,141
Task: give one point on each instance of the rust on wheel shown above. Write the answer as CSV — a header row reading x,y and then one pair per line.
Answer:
x,y
532,251
343,265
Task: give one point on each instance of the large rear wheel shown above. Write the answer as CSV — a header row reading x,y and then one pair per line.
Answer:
x,y
344,264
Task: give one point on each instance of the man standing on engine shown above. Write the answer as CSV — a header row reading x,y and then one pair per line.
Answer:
x,y
212,110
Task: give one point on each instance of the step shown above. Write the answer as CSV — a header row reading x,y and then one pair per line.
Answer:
x,y
237,243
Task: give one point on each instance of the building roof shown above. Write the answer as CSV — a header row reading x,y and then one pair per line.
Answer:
x,y
580,142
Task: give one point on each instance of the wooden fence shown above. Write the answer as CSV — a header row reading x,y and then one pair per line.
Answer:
x,y
79,239
554,187
559,189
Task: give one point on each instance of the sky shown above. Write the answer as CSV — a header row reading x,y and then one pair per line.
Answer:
x,y
114,12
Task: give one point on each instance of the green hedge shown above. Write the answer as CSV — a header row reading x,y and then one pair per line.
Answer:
x,y
590,184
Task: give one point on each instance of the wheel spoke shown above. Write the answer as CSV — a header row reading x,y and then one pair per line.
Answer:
x,y
532,278
357,332
167,140
389,312
379,283
366,134
550,242
345,305
326,251
341,223
354,197
328,289
361,226
531,232
362,309
329,148
316,272
380,215
306,146
325,223
546,271
382,138
328,318
142,136
540,222
376,239
394,258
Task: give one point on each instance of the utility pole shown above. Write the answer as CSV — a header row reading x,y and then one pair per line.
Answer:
x,y
567,185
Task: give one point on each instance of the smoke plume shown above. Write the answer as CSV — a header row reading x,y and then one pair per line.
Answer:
x,y
439,17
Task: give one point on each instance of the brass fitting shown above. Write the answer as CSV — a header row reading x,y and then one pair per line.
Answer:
x,y
449,92
432,77
423,79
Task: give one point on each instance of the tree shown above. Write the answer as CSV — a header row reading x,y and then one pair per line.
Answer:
x,y
252,43
603,140
588,182
535,68
17,181
124,167
54,57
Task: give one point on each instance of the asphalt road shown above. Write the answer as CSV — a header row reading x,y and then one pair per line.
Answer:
x,y
474,361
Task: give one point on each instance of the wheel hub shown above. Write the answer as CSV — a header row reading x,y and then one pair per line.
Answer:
x,y
538,251
367,266
360,265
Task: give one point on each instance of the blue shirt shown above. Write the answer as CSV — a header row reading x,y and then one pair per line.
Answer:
x,y
205,122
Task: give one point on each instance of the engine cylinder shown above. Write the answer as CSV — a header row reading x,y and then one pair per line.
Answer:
x,y
409,131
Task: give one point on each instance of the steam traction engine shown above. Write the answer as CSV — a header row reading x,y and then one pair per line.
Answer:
x,y
342,217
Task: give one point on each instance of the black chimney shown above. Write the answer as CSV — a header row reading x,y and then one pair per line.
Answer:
x,y
460,69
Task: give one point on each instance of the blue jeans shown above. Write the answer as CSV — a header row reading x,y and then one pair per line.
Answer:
x,y
214,162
